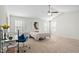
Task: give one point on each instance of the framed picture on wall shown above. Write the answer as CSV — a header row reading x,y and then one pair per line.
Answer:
x,y
36,26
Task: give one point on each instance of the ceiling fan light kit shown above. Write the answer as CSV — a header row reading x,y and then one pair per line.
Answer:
x,y
50,11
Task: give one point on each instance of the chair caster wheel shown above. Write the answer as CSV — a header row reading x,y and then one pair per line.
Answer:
x,y
29,47
24,51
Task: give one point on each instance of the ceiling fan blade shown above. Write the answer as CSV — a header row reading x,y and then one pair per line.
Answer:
x,y
55,12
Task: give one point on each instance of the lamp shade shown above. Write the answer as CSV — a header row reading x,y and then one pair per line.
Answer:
x,y
49,14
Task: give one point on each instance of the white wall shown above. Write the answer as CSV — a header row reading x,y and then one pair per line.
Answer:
x,y
3,14
67,25
28,24
2,18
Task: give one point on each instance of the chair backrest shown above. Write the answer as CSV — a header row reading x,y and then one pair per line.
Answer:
x,y
22,38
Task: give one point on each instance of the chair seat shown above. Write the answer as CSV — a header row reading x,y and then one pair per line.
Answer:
x,y
22,38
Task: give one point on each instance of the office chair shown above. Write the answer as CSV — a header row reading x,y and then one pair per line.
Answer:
x,y
22,38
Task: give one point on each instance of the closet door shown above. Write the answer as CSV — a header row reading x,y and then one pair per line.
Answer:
x,y
53,27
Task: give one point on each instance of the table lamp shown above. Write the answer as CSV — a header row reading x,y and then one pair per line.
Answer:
x,y
5,28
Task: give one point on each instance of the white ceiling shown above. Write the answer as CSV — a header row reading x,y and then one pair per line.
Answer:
x,y
38,11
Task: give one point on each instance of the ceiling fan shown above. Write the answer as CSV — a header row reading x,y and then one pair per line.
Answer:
x,y
50,12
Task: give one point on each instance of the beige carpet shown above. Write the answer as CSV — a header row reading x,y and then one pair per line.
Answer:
x,y
53,45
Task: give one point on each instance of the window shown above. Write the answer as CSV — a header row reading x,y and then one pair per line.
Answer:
x,y
18,25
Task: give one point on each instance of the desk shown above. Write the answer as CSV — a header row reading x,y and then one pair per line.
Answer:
x,y
6,43
10,40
